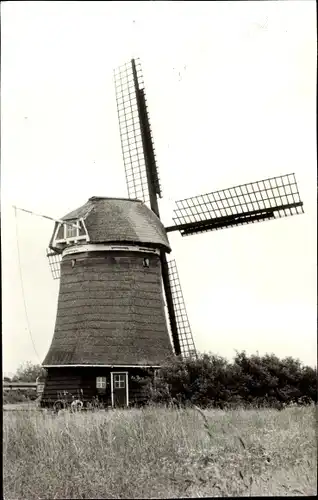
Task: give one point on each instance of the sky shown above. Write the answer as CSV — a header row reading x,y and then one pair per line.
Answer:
x,y
231,89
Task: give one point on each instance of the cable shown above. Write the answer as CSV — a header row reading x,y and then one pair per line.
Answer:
x,y
45,216
22,287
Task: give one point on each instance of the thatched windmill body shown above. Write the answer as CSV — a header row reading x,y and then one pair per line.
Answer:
x,y
110,255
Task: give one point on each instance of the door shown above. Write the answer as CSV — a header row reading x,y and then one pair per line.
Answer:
x,y
119,389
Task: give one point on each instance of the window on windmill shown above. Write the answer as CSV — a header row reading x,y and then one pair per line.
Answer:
x,y
71,230
60,232
146,262
100,382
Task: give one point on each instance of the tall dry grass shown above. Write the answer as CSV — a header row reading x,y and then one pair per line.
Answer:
x,y
160,453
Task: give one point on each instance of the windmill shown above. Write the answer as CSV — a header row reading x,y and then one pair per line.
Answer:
x,y
244,204
110,255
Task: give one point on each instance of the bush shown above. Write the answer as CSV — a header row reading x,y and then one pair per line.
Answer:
x,y
18,396
212,381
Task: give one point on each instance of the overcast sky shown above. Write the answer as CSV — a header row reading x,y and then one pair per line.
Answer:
x,y
231,89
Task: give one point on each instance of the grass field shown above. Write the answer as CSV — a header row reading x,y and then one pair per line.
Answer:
x,y
160,453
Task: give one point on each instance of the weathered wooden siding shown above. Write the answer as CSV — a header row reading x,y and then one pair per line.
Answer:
x,y
73,380
110,311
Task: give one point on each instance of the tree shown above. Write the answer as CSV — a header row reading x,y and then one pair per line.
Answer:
x,y
211,380
28,372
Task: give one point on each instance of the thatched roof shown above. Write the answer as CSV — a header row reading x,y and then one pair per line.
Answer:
x,y
120,220
110,311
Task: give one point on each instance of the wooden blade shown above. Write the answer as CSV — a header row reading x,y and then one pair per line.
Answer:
x,y
135,133
245,204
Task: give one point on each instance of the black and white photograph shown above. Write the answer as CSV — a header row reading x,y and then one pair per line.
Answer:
x,y
159,249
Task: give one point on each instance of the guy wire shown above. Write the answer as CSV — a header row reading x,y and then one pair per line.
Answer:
x,y
22,287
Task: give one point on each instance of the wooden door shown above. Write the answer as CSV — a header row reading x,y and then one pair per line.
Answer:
x,y
119,389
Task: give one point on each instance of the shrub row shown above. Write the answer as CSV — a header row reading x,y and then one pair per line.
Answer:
x,y
212,381
18,396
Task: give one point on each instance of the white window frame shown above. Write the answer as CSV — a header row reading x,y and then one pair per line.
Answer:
x,y
71,239
68,227
112,386
120,381
101,382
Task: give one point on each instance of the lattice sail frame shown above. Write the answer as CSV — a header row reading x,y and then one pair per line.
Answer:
x,y
247,203
131,105
184,330
54,263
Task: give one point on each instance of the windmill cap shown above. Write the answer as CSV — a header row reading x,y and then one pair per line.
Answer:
x,y
120,220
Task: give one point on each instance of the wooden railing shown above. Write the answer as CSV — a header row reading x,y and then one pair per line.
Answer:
x,y
15,386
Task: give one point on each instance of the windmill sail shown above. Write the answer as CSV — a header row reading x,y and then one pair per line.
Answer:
x,y
135,133
245,204
54,263
184,330
139,158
